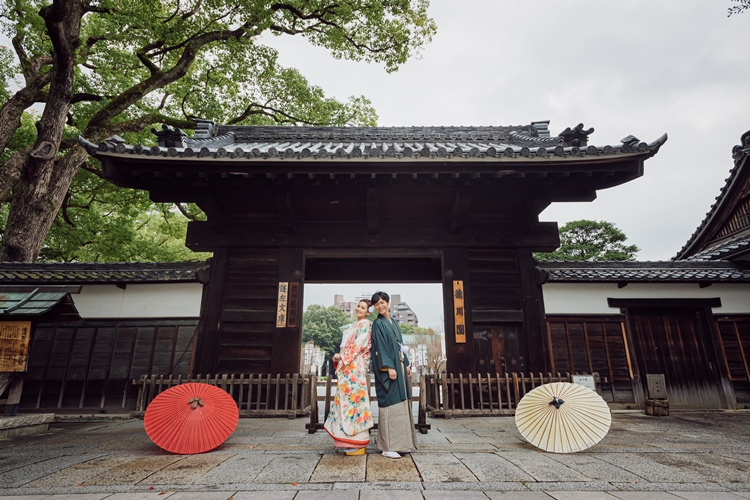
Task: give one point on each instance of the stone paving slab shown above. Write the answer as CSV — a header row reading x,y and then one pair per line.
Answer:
x,y
442,467
493,467
133,471
288,468
400,494
188,470
543,468
334,467
646,495
383,469
641,464
593,468
235,470
576,486
517,495
79,473
693,453
38,469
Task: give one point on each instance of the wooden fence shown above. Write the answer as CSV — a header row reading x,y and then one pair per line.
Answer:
x,y
326,399
481,395
256,395
450,396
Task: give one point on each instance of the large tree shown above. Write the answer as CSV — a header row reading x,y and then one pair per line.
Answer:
x,y
320,325
111,67
590,240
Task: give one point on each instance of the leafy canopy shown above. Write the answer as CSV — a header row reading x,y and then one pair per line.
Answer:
x,y
589,240
321,326
741,6
140,63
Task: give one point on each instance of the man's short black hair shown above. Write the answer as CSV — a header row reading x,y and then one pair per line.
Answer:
x,y
380,295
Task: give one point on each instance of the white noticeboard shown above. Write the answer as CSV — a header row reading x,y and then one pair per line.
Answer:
x,y
585,380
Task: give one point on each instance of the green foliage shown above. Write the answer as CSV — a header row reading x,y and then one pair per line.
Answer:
x,y
24,136
588,240
100,222
741,6
141,63
8,72
321,325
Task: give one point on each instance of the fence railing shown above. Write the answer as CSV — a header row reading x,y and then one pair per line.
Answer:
x,y
481,395
256,395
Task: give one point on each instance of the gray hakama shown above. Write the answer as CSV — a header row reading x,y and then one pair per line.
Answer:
x,y
396,427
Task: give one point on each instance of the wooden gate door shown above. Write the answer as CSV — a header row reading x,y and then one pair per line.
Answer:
x,y
676,342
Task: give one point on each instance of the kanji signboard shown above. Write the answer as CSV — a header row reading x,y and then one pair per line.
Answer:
x,y
14,345
458,311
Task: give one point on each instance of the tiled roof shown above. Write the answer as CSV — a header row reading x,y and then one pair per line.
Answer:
x,y
12,273
532,142
726,248
740,153
648,272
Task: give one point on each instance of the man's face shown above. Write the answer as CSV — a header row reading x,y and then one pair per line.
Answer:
x,y
382,307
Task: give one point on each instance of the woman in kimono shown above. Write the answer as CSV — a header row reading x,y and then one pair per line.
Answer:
x,y
350,418
390,363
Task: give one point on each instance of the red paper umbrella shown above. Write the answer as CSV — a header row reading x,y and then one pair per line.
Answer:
x,y
191,418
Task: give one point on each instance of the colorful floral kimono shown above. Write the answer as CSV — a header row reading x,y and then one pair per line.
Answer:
x,y
350,418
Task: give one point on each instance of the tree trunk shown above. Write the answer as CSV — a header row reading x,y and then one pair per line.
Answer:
x,y
45,177
10,113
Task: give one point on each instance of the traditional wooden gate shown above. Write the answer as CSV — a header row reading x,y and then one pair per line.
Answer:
x,y
677,342
289,205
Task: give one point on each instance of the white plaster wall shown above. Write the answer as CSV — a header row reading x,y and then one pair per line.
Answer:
x,y
591,298
157,300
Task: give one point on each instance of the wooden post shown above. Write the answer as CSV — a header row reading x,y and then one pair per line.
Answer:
x,y
14,394
285,357
208,336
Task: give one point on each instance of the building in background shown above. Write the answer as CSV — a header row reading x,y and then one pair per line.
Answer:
x,y
399,310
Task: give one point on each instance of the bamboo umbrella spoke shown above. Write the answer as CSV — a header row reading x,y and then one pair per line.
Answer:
x,y
191,418
563,418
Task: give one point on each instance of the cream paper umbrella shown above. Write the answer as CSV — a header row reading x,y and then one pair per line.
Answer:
x,y
563,418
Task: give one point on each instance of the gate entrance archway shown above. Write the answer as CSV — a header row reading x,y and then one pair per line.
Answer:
x,y
286,204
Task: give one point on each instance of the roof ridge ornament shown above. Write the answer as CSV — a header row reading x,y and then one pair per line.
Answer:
x,y
743,148
204,129
170,137
576,136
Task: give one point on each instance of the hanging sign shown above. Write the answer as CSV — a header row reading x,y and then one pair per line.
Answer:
x,y
292,316
14,345
281,304
458,311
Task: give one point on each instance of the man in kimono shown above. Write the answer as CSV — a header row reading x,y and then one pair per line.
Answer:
x,y
390,363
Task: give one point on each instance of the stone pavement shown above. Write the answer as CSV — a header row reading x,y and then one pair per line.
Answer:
x,y
689,455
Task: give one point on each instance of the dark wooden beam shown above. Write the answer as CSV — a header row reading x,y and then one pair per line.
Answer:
x,y
461,204
216,214
285,206
373,210
540,237
664,303
397,270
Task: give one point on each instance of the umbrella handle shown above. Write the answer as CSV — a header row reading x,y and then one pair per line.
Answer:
x,y
557,402
196,401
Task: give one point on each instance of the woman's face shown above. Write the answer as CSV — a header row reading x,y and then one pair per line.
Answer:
x,y
382,307
361,311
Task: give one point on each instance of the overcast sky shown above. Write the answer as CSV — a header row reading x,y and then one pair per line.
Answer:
x,y
640,67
